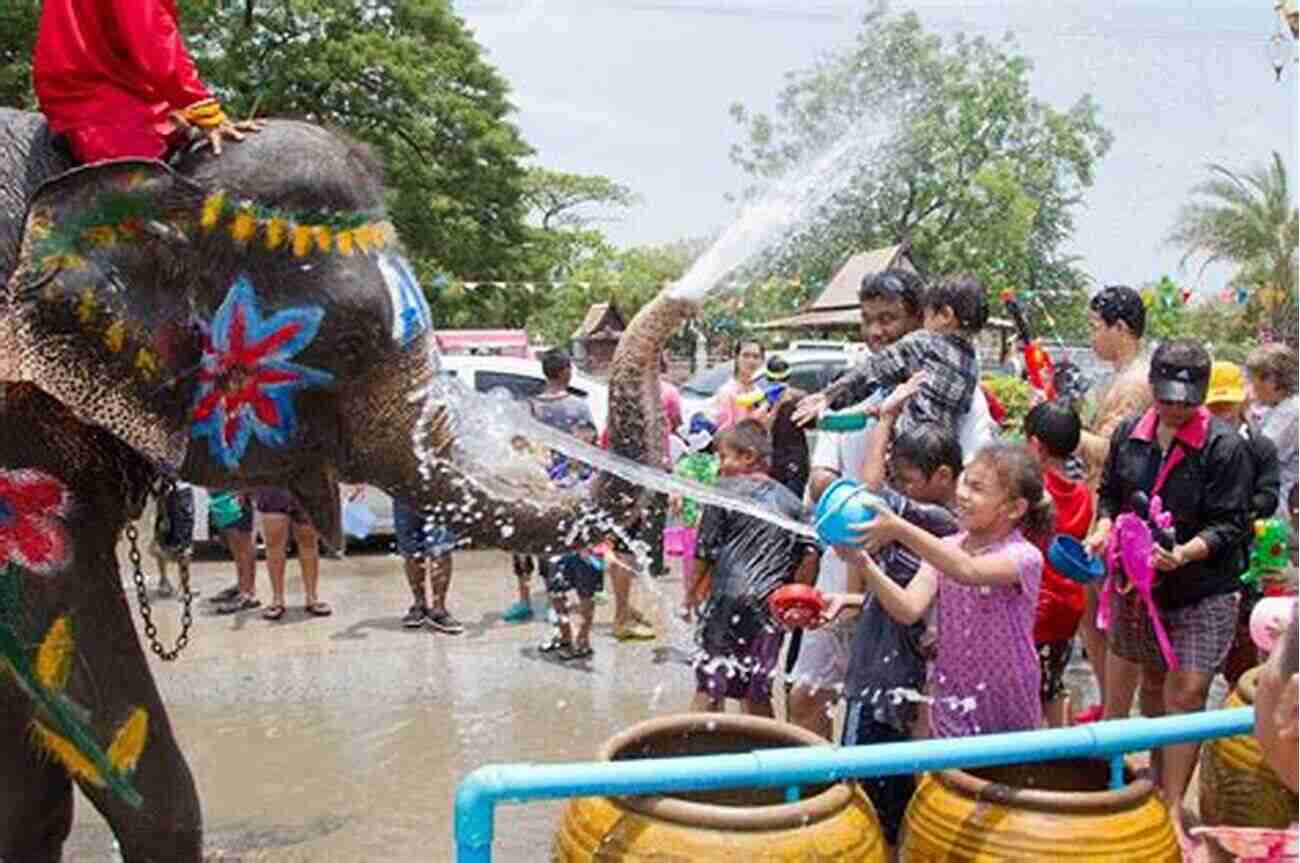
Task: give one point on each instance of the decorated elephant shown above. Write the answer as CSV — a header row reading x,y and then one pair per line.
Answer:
x,y
235,321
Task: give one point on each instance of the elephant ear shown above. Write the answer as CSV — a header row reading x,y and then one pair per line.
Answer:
x,y
97,312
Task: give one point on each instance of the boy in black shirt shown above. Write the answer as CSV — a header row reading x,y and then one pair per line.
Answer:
x,y
744,560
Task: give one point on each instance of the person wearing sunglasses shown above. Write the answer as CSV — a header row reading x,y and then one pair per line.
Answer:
x,y
1200,468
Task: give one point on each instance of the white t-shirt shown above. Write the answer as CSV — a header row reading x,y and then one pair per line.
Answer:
x,y
845,455
976,429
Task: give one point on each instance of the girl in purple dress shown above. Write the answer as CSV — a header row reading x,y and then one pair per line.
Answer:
x,y
984,583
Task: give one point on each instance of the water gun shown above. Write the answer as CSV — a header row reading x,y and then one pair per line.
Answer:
x,y
1128,560
1160,522
1038,365
1268,555
771,393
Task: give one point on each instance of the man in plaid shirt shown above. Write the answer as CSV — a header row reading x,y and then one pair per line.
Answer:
x,y
955,311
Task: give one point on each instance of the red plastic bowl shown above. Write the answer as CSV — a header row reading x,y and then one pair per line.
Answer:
x,y
797,605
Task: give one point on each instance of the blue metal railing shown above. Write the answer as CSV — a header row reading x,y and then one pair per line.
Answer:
x,y
479,793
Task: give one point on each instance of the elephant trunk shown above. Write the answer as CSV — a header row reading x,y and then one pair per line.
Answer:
x,y
408,436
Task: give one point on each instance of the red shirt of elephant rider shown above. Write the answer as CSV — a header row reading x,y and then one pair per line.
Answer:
x,y
114,78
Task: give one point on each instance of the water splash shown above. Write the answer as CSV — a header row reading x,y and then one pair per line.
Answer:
x,y
487,455
786,205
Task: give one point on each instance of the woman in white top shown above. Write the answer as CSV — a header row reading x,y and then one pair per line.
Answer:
x,y
1273,371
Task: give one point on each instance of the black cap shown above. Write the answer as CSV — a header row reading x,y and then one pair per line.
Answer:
x,y
1180,372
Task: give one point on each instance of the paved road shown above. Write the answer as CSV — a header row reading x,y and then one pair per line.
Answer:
x,y
342,738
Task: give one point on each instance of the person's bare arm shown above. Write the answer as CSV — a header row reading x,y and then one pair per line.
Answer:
x,y
977,570
805,572
904,604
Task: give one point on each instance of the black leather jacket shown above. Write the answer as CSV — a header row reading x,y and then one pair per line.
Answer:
x,y
1208,493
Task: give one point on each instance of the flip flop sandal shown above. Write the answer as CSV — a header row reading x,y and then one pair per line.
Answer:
x,y
575,652
239,604
319,608
555,645
225,595
273,612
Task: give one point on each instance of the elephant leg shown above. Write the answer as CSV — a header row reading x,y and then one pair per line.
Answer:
x,y
167,826
35,795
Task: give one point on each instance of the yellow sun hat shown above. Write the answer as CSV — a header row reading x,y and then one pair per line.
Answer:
x,y
1226,384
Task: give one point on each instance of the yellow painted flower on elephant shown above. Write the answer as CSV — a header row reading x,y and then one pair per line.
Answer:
x,y
362,237
146,363
343,241
66,753
86,306
63,261
243,226
128,744
301,240
115,336
275,231
323,238
212,206
102,236
54,656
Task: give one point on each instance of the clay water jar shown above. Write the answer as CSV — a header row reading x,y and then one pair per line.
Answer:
x,y
1052,810
832,821
1237,786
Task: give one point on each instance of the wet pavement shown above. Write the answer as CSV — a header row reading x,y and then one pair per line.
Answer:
x,y
343,738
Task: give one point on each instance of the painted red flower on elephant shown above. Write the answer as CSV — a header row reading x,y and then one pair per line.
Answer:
x,y
33,505
245,380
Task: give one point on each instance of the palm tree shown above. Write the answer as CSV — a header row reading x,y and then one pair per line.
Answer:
x,y
1247,220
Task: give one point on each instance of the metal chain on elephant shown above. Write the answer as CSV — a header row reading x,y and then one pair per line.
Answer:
x,y
146,613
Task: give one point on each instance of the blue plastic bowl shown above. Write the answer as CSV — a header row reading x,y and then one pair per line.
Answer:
x,y
1067,555
841,505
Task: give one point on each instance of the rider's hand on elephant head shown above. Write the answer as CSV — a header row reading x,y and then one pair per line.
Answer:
x,y
211,120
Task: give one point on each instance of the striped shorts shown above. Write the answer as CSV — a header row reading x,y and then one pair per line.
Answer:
x,y
1200,634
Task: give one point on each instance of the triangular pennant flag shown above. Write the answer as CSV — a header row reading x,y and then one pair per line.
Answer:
x,y
469,286
529,287
499,285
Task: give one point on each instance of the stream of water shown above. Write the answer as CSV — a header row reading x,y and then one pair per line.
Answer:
x,y
485,426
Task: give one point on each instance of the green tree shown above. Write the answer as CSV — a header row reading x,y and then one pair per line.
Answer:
x,y
560,200
1166,313
558,243
629,277
1247,220
17,36
404,76
980,175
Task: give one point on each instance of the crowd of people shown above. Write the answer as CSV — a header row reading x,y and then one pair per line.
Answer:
x,y
945,618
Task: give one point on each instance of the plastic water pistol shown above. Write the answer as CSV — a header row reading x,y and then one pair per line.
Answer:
x,y
771,394
1038,365
1268,554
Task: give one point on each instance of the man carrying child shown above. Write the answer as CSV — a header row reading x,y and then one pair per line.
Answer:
x,y
955,311
744,560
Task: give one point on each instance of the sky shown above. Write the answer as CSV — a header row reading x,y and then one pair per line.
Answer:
x,y
639,91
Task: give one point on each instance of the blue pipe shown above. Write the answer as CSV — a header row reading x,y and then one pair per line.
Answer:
x,y
480,791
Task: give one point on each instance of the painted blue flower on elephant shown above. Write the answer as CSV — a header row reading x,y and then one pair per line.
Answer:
x,y
246,381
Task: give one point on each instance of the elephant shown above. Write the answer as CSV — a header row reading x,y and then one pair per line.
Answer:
x,y
234,321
